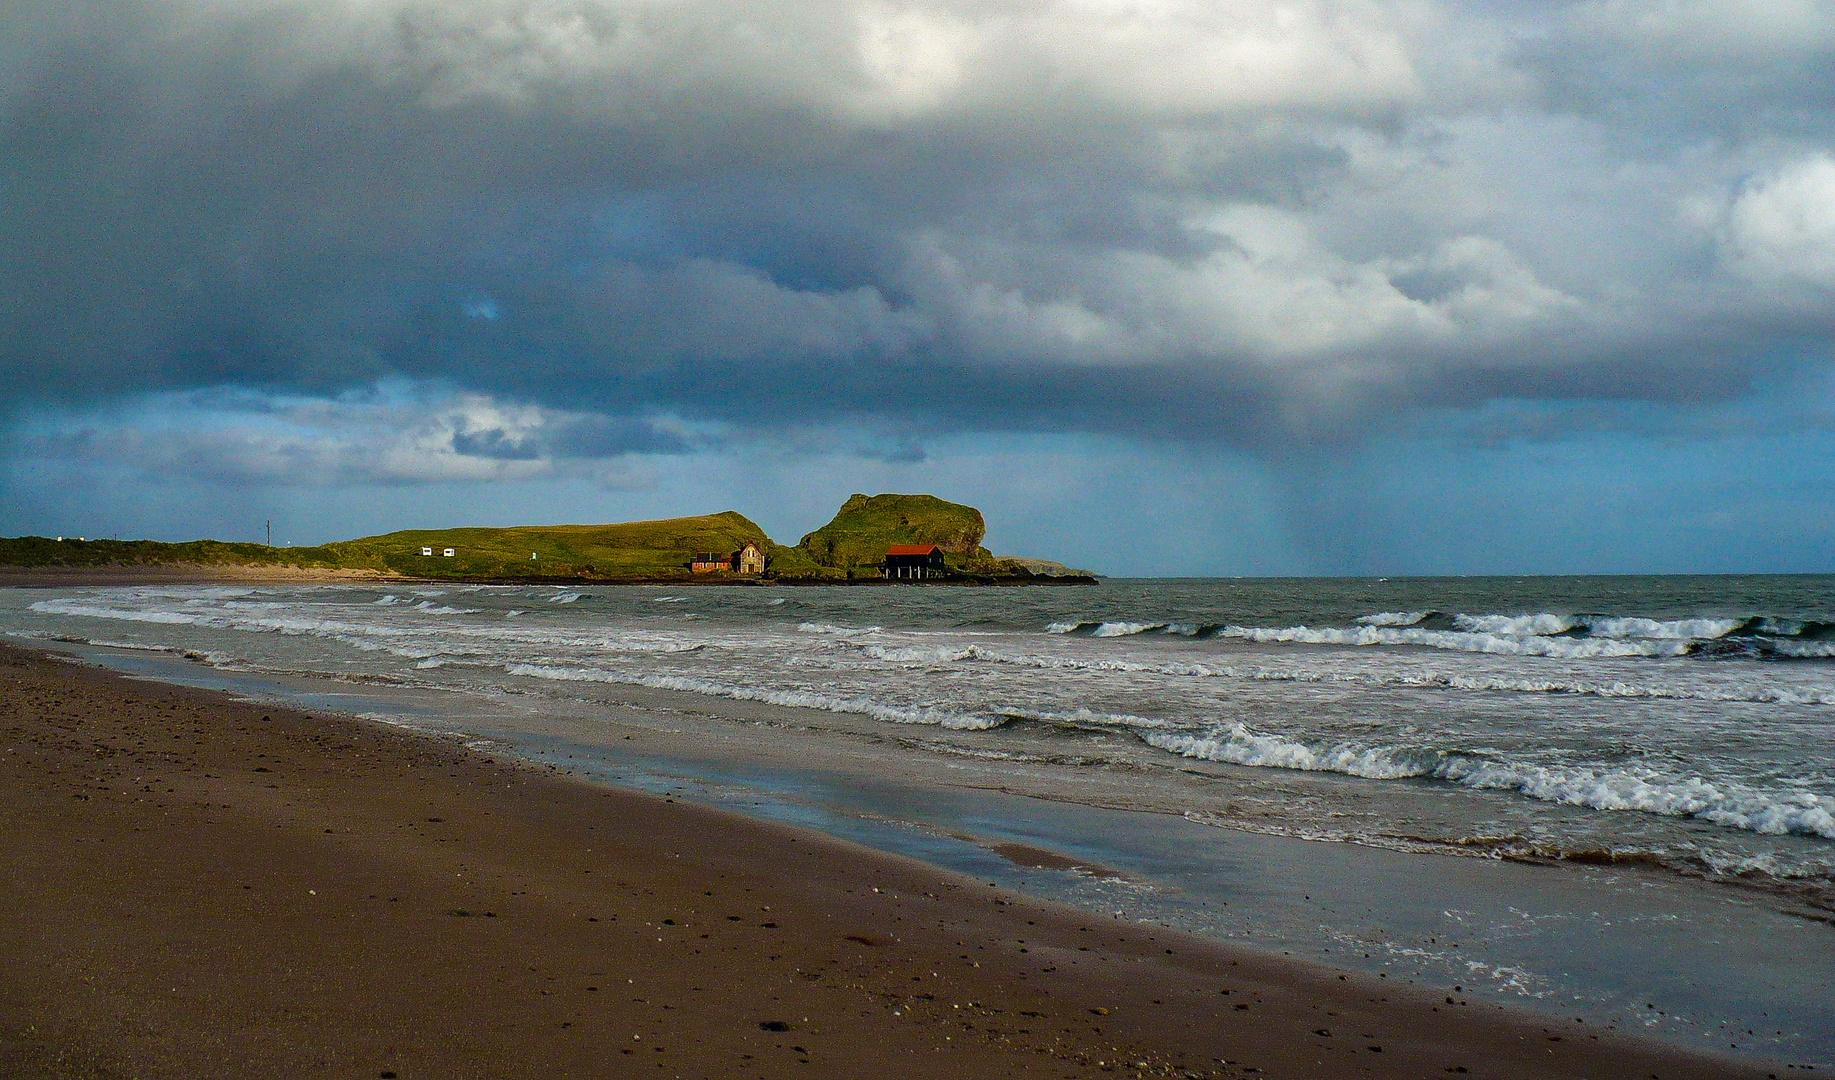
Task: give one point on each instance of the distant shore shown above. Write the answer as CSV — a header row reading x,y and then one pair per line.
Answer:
x,y
34,577
193,574
203,885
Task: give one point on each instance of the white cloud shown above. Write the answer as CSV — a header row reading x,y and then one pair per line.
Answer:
x,y
1269,295
1782,226
849,60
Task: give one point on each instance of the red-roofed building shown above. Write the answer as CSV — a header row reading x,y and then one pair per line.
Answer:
x,y
913,562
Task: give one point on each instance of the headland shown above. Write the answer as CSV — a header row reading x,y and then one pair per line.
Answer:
x,y
882,539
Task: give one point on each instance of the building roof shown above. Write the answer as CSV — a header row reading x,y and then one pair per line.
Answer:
x,y
912,549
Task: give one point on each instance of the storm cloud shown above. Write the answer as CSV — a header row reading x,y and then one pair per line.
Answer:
x,y
1253,223
447,242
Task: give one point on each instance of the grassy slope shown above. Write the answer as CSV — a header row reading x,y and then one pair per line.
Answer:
x,y
638,549
641,549
36,551
849,547
865,527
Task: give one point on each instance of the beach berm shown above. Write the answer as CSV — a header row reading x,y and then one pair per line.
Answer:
x,y
200,886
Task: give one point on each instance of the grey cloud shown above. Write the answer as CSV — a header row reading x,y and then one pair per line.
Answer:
x,y
1200,224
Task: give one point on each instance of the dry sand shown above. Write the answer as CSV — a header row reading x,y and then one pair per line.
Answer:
x,y
196,886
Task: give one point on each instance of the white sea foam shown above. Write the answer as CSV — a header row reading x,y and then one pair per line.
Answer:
x,y
1118,628
1685,629
1125,629
1595,787
1496,643
830,628
860,705
1514,625
1240,745
564,598
442,609
1805,649
101,611
921,654
1393,618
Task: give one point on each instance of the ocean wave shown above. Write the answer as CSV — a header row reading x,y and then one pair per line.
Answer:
x,y
1426,678
430,608
1114,629
102,611
859,705
359,634
1804,650
921,654
1476,641
1593,787
1543,634
1684,629
205,656
565,597
1541,625
830,628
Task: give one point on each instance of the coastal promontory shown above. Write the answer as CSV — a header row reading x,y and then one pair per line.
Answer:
x,y
853,548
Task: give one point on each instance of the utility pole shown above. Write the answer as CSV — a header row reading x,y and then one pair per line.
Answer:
x,y
270,532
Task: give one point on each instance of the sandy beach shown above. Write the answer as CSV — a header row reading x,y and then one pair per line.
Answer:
x,y
201,885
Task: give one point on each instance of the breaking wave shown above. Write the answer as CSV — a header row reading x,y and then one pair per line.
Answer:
x,y
859,705
1595,787
830,628
1569,637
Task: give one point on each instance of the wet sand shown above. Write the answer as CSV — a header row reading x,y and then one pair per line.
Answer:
x,y
196,885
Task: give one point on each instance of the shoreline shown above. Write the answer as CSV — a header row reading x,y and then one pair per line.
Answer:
x,y
38,577
345,803
1623,946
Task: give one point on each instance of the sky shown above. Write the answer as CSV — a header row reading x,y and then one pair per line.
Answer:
x,y
1165,287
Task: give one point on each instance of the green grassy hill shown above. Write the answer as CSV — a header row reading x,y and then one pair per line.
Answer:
x,y
864,528
849,548
637,550
69,552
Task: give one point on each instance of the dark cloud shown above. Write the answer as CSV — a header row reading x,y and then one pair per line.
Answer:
x,y
921,217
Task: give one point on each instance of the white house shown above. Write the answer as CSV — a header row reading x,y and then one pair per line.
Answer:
x,y
450,553
426,551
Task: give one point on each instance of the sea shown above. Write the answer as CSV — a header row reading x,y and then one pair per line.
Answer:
x,y
1680,729
1681,722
